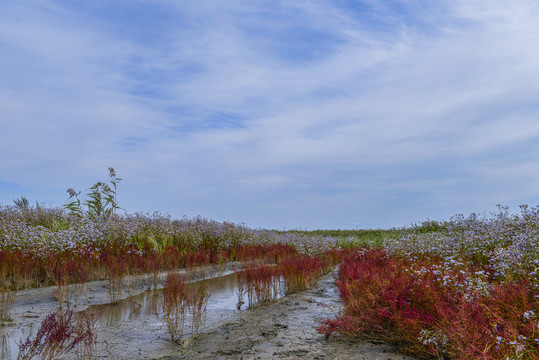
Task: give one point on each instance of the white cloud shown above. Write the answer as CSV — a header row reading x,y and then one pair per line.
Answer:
x,y
343,110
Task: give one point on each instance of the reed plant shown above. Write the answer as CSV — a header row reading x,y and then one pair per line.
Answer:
x,y
101,199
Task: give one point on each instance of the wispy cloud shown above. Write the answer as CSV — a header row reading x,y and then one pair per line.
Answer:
x,y
279,114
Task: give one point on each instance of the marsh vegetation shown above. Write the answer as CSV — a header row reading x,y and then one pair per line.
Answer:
x,y
465,288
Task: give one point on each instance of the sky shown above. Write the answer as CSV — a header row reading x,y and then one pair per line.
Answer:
x,y
322,114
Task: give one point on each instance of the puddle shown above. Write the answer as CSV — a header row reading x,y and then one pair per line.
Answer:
x,y
286,330
134,327
149,305
10,336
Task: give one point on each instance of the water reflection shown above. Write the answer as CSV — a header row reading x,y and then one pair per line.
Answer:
x,y
11,336
222,290
140,312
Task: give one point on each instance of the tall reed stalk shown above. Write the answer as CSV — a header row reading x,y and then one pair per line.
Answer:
x,y
101,199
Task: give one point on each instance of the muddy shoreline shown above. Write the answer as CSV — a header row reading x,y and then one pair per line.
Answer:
x,y
135,328
285,330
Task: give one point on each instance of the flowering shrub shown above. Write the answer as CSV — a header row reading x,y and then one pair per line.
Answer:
x,y
42,247
508,244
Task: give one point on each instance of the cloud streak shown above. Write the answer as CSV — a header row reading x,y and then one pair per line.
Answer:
x,y
276,114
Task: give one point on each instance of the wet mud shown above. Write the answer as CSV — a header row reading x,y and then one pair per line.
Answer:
x,y
134,328
285,330
130,329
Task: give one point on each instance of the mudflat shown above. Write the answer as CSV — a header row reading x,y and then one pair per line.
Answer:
x,y
135,329
285,330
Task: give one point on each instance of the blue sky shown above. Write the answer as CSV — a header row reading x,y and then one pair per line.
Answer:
x,y
276,114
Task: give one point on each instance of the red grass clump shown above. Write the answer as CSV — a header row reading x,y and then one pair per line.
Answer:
x,y
271,253
197,303
7,298
59,334
71,281
300,272
154,266
179,299
261,283
175,304
117,270
430,308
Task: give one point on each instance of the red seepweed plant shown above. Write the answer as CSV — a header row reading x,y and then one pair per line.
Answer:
x,y
270,253
78,280
264,283
7,298
278,253
333,257
62,283
179,299
175,304
154,266
501,325
197,263
60,334
300,272
71,281
433,308
381,301
117,270
197,303
261,283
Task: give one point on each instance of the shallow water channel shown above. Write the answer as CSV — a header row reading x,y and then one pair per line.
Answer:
x,y
135,326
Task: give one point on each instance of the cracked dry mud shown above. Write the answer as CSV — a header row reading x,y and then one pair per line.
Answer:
x,y
285,330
